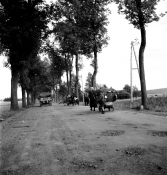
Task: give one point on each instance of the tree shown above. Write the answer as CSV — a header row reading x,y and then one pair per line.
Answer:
x,y
67,34
64,36
84,29
127,88
63,91
22,25
34,78
123,94
111,89
88,82
101,86
136,92
93,23
57,65
140,13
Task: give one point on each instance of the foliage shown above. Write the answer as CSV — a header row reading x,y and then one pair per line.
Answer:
x,y
21,29
101,86
123,94
7,99
138,11
127,88
81,27
93,22
157,104
65,34
136,92
73,84
57,62
63,90
37,77
111,89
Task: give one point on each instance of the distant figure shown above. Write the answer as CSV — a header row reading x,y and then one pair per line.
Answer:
x,y
86,99
92,97
72,98
76,101
101,101
114,97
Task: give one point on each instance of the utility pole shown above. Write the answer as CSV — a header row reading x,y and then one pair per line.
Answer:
x,y
131,88
131,69
135,58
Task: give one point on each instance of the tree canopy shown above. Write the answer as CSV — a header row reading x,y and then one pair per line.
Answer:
x,y
22,26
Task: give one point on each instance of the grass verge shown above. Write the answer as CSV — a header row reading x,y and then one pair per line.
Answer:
x,y
155,104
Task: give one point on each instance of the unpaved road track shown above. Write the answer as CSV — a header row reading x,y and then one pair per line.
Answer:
x,y
72,140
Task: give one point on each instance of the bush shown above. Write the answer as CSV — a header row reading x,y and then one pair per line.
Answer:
x,y
136,93
123,95
7,99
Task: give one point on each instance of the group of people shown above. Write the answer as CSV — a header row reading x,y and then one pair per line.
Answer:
x,y
94,97
72,99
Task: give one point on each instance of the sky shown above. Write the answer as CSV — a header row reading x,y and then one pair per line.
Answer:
x,y
114,60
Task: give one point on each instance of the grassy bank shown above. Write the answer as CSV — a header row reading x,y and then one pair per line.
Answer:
x,y
5,109
157,104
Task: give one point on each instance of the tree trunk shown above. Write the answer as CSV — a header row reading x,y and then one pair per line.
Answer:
x,y
28,98
76,83
32,98
14,82
70,72
95,68
68,84
141,67
23,97
54,95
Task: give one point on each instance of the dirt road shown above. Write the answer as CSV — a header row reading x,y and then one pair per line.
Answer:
x,y
72,140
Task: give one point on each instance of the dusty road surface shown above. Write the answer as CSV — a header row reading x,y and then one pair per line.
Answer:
x,y
72,140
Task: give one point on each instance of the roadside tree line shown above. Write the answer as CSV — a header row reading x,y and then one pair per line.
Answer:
x,y
63,30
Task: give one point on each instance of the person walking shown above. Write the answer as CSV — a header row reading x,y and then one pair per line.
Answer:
x,y
101,101
92,99
86,99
